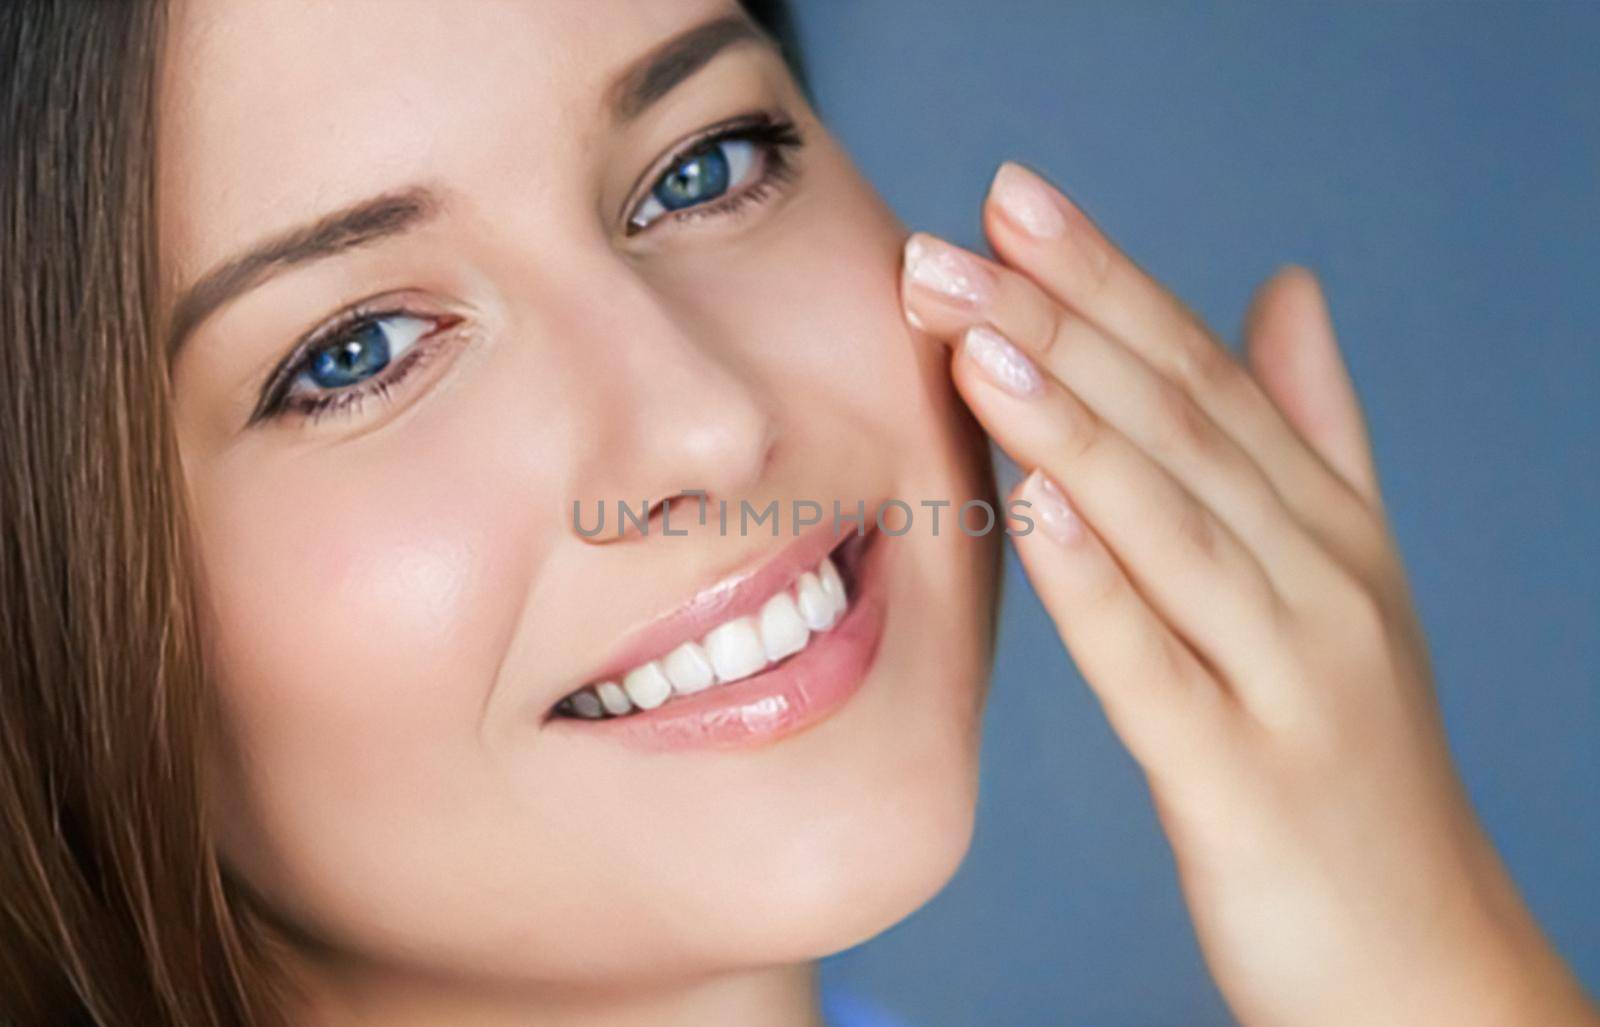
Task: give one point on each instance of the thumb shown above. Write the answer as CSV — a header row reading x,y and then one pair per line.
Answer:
x,y
1292,350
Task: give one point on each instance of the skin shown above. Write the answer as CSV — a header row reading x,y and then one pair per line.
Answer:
x,y
1218,562
396,596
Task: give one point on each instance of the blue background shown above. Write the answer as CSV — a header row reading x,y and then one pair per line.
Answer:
x,y
1439,166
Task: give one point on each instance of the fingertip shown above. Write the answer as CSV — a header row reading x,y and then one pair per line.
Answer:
x,y
913,248
1298,273
1028,202
1291,298
909,312
1060,521
1032,222
1307,285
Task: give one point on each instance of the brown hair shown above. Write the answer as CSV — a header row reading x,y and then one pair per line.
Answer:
x,y
115,910
112,908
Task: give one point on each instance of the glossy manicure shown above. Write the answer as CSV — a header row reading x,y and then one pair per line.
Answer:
x,y
1001,362
1055,513
1038,210
947,272
1026,202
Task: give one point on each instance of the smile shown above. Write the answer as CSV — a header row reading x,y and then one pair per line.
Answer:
x,y
755,657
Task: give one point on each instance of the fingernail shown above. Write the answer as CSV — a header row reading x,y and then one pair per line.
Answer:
x,y
1055,513
1026,202
1039,210
946,271
1001,362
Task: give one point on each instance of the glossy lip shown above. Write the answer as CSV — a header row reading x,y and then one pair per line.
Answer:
x,y
791,696
738,595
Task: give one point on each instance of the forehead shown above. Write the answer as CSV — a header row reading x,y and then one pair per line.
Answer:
x,y
271,111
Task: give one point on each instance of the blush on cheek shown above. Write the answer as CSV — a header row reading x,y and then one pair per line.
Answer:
x,y
418,584
358,609
358,636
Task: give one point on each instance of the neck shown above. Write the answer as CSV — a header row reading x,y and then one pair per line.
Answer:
x,y
784,996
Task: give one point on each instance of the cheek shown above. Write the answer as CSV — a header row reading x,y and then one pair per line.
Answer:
x,y
358,620
315,595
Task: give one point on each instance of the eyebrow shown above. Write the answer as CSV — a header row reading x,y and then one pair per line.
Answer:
x,y
655,74
372,219
638,86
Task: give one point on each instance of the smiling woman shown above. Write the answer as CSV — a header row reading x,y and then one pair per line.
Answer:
x,y
318,706
444,753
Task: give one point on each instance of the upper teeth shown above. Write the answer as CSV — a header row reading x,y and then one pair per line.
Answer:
x,y
730,651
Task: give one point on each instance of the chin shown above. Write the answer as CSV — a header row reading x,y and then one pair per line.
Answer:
x,y
838,877
879,812
873,892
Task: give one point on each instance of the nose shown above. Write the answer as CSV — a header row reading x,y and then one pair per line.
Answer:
x,y
670,412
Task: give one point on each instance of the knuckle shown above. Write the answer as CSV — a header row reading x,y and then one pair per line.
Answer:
x,y
1261,503
1201,363
1181,428
1103,591
1195,530
1260,600
1059,325
1080,432
1095,277
1373,552
1095,590
1317,738
1355,612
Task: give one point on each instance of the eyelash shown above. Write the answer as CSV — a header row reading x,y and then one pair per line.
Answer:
x,y
776,136
277,402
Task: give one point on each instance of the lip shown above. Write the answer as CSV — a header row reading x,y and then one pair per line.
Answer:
x,y
791,696
740,594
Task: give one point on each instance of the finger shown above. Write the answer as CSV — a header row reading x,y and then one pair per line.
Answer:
x,y
1161,701
1292,349
1155,414
1195,572
1037,230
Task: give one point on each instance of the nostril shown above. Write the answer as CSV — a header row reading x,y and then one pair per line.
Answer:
x,y
616,518
678,512
613,518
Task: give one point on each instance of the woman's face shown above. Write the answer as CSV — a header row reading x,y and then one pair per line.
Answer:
x,y
512,304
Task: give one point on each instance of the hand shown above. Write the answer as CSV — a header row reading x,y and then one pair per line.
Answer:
x,y
1212,546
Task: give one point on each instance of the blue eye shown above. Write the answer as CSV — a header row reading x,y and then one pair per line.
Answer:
x,y
737,163
363,350
708,174
365,354
700,177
